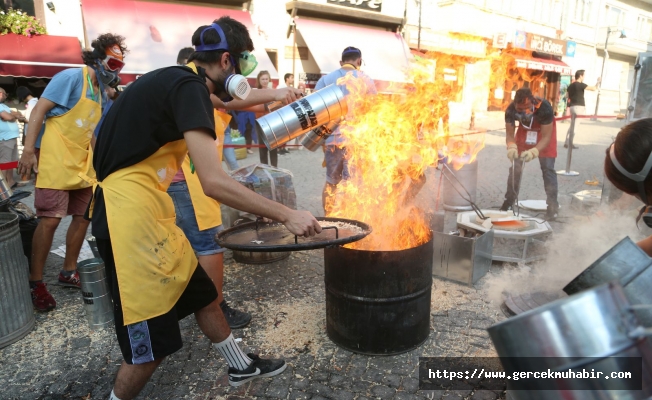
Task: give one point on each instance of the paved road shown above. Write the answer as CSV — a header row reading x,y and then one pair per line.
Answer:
x,y
62,359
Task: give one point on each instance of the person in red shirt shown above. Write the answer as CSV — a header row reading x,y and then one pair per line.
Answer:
x,y
535,137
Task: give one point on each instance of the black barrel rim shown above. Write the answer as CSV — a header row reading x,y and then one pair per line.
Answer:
x,y
222,238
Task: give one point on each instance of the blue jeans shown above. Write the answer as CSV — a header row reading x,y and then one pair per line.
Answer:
x,y
228,153
549,182
203,242
337,166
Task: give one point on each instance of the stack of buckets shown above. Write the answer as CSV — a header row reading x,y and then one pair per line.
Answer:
x,y
95,290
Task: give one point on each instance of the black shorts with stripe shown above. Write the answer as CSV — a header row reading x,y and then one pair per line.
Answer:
x,y
160,336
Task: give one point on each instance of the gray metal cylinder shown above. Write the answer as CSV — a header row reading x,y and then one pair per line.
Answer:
x,y
5,190
95,292
467,177
297,118
16,310
316,137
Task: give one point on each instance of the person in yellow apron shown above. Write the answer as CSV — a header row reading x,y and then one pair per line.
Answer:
x,y
71,106
200,218
151,268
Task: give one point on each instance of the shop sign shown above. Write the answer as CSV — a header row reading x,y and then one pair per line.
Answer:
x,y
367,5
570,48
500,41
450,44
529,64
541,44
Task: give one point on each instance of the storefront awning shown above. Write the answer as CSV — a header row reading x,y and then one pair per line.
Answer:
x,y
385,54
155,32
543,64
41,56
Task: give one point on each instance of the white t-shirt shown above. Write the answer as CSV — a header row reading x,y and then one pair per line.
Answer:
x,y
30,106
281,85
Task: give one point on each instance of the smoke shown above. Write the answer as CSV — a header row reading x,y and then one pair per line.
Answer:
x,y
573,247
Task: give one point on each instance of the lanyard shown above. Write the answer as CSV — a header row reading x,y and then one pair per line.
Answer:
x,y
90,85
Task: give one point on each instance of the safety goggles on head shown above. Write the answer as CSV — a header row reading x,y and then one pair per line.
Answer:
x,y
246,61
113,64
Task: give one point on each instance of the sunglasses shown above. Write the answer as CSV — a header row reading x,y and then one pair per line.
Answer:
x,y
113,64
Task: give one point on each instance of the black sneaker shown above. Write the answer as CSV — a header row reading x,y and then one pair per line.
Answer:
x,y
236,319
507,205
260,368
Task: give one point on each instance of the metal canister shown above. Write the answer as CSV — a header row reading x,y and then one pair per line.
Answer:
x,y
5,190
95,292
316,137
301,116
456,187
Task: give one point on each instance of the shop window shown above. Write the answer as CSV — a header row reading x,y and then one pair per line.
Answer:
x,y
644,28
24,5
583,11
614,17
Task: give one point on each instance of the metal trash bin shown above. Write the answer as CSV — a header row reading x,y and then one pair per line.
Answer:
x,y
16,310
95,292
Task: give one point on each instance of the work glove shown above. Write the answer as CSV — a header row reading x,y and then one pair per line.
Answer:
x,y
512,151
529,155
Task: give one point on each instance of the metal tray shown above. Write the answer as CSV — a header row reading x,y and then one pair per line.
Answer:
x,y
276,237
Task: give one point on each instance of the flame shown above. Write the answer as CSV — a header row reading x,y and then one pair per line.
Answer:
x,y
391,140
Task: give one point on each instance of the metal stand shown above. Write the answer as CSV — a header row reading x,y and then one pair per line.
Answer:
x,y
567,171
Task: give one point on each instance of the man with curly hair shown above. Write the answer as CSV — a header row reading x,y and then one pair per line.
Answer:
x,y
59,150
536,137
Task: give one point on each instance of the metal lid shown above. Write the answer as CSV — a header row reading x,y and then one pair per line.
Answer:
x,y
259,236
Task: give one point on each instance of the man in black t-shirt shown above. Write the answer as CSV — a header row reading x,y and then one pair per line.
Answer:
x,y
151,269
577,104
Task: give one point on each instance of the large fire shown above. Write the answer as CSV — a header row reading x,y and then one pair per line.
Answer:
x,y
391,141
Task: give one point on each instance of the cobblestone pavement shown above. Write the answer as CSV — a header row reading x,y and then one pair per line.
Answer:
x,y
62,359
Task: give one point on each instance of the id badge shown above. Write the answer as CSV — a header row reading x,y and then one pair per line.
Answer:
x,y
531,138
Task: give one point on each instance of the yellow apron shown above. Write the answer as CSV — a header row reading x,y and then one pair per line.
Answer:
x,y
152,255
66,145
207,210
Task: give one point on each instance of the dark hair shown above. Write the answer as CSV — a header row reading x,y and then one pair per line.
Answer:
x,y
632,148
22,92
286,76
261,73
351,54
184,54
237,38
522,95
100,45
579,73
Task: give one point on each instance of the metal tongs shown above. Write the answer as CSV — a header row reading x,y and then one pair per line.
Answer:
x,y
468,198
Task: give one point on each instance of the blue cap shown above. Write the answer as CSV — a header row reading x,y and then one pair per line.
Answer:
x,y
349,51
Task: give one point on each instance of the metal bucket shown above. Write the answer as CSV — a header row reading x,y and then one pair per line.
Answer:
x,y
627,264
378,302
5,190
16,310
297,118
468,178
95,292
575,333
317,137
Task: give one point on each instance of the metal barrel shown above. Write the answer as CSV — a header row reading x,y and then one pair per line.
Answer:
x,y
92,243
16,310
297,118
378,302
95,292
467,177
316,137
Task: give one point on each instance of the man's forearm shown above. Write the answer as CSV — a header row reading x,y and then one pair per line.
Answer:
x,y
8,117
33,128
256,97
509,134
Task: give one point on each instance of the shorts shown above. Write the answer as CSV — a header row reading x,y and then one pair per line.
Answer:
x,y
57,203
202,242
337,166
60,203
8,151
160,336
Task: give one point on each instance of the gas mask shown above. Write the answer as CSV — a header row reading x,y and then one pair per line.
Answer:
x,y
525,117
235,85
110,66
106,77
639,178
